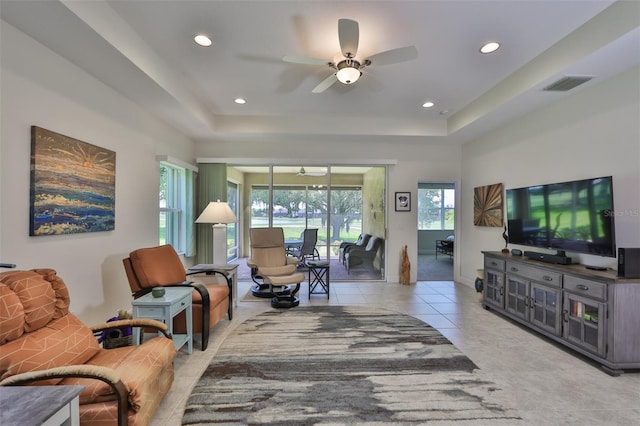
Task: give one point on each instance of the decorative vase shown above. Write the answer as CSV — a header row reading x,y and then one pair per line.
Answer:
x,y
405,268
479,284
157,292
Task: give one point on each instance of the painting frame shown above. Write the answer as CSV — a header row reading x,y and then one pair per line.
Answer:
x,y
403,201
72,185
488,205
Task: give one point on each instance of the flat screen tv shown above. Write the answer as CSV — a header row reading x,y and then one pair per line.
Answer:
x,y
576,216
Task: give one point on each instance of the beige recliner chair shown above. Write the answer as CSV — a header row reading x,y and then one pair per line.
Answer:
x,y
272,270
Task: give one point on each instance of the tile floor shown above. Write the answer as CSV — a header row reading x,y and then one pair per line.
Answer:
x,y
548,384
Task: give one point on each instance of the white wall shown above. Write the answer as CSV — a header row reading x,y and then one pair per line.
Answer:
x,y
594,133
41,88
416,162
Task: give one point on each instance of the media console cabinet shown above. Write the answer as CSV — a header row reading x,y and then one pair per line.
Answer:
x,y
592,312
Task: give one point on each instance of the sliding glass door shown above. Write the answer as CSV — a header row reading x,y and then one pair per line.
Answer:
x,y
341,202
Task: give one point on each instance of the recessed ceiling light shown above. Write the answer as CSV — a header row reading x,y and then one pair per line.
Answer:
x,y
240,101
490,47
202,40
428,104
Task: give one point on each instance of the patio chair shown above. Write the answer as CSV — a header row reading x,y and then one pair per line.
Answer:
x,y
362,241
445,246
308,247
364,257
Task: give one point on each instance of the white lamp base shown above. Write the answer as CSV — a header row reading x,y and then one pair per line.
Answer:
x,y
219,244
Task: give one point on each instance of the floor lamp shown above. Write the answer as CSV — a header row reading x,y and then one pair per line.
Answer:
x,y
219,214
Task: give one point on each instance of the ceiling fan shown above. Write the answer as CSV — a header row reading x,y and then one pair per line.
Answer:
x,y
349,69
303,172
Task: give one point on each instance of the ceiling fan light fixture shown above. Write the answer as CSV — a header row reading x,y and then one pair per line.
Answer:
x,y
348,71
348,75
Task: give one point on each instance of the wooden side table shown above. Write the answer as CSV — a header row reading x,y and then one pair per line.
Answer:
x,y
40,405
174,301
230,270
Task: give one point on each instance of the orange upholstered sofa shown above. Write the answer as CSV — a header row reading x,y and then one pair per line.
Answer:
x,y
42,343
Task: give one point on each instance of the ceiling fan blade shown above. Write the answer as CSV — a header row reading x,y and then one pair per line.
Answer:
x,y
325,84
394,56
348,33
304,60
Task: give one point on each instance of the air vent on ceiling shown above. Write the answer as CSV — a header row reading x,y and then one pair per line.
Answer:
x,y
566,83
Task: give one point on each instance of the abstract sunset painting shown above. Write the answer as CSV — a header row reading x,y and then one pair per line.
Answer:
x,y
72,185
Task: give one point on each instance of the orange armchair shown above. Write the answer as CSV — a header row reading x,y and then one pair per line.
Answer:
x,y
161,267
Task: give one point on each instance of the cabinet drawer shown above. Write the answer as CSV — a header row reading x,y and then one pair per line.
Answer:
x,y
550,278
181,304
584,287
493,263
148,312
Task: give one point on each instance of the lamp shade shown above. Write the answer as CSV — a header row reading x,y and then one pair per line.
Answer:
x,y
217,212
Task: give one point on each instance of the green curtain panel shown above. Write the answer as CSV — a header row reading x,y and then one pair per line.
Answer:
x,y
192,214
212,186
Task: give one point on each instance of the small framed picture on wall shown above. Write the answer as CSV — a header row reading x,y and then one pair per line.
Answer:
x,y
403,201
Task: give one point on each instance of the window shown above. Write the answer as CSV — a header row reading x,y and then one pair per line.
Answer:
x,y
436,206
232,228
176,195
305,206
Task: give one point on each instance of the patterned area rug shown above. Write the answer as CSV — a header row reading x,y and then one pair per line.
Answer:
x,y
343,365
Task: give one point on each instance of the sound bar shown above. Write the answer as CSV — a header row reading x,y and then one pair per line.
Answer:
x,y
548,258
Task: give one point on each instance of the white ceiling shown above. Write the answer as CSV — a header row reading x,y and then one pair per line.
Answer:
x,y
144,50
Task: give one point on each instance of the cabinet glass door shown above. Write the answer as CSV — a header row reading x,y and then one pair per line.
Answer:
x,y
494,288
545,312
517,295
585,322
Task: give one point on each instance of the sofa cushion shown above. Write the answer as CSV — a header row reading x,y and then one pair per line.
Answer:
x,y
64,341
60,289
372,243
11,315
36,296
137,367
217,293
31,298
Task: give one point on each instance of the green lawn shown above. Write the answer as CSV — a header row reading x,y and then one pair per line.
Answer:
x,y
293,228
